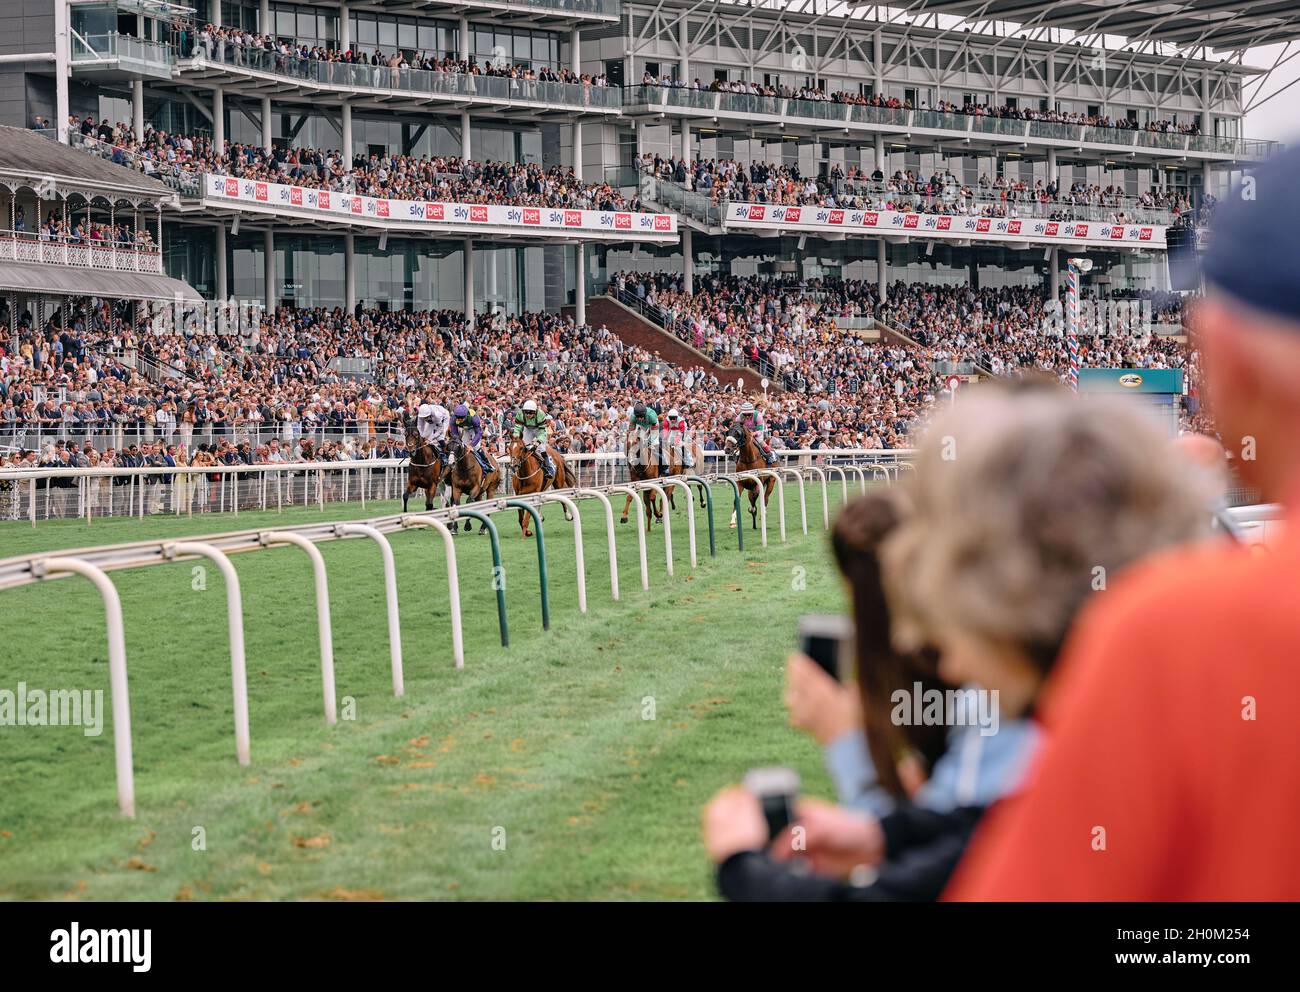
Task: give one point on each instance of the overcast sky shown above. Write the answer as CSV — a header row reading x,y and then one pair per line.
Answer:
x,y
1279,119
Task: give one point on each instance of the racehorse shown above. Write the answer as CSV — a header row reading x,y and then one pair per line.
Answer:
x,y
465,477
641,465
529,477
424,468
749,456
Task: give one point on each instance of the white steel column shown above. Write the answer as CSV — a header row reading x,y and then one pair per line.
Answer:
x,y
264,17
137,109
345,27
1051,169
266,123
575,59
219,117
1053,275
347,135
688,260
219,263
462,32
881,161
62,58
268,248
686,139
468,256
214,13
882,266
349,273
579,284
466,152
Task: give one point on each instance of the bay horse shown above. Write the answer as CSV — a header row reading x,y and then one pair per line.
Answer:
x,y
529,477
465,477
642,465
424,466
749,456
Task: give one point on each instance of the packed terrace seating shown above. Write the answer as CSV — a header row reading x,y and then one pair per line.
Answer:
x,y
169,156
724,180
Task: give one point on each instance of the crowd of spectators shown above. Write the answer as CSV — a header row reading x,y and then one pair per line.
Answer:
x,y
906,191
232,44
1007,112
168,156
792,329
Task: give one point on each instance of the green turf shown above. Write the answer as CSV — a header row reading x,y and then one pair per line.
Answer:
x,y
544,743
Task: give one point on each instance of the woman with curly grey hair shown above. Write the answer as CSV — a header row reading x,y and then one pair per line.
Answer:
x,y
1026,501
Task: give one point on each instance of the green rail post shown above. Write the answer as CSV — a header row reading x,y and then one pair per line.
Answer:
x,y
498,571
735,502
541,557
708,503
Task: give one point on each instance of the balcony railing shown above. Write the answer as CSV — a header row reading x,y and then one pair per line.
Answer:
x,y
138,54
683,201
17,246
417,82
825,112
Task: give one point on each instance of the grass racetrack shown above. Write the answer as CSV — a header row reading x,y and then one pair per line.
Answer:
x,y
533,773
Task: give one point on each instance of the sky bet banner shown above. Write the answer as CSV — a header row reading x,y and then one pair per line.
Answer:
x,y
879,222
462,215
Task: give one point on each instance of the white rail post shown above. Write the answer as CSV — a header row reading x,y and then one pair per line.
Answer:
x,y
322,611
235,621
390,595
826,501
862,476
780,497
683,485
667,522
572,507
803,507
453,581
640,530
762,503
844,479
609,534
117,682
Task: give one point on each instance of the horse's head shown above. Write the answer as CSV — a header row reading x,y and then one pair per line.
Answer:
x,y
413,440
736,438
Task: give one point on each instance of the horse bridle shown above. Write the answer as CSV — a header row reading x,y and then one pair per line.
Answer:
x,y
536,471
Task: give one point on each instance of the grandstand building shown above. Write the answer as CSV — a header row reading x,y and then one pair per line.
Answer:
x,y
843,92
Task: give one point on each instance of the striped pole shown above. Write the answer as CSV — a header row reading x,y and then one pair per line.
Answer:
x,y
1072,320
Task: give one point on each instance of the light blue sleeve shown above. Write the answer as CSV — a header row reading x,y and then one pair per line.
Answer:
x,y
849,763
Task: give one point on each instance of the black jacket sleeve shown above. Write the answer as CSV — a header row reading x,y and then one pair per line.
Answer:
x,y
922,850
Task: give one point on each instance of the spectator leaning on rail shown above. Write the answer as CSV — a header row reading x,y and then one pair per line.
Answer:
x,y
1021,499
1172,770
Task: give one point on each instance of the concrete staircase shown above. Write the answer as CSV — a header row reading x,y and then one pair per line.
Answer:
x,y
634,329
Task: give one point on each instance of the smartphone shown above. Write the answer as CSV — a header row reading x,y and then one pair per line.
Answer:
x,y
824,637
776,789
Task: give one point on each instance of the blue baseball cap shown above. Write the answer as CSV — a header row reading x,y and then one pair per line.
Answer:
x,y
1254,251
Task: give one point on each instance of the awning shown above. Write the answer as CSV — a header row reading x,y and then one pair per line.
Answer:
x,y
64,280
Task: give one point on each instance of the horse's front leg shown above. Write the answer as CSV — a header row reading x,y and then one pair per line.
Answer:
x,y
627,505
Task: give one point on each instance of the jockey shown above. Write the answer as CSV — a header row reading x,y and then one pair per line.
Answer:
x,y
530,425
753,419
432,421
644,423
675,435
466,426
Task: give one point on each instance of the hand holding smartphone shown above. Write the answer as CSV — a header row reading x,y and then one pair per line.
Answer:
x,y
824,637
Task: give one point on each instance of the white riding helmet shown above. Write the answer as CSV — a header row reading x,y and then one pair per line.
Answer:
x,y
673,414
530,406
